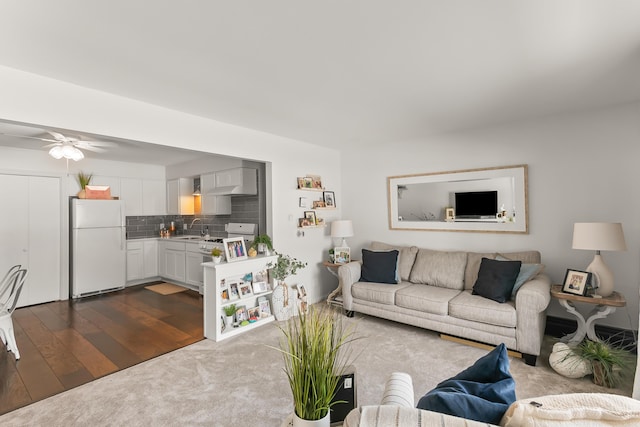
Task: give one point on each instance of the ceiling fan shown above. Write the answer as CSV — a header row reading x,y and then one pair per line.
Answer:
x,y
69,146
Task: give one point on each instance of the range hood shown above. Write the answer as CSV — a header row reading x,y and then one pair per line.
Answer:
x,y
225,191
236,181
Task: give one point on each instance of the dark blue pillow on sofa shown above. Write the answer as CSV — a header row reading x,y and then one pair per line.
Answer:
x,y
482,392
379,266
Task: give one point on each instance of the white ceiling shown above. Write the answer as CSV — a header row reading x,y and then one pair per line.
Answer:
x,y
338,72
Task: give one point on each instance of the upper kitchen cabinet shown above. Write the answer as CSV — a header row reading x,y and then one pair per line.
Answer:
x,y
143,196
236,181
180,196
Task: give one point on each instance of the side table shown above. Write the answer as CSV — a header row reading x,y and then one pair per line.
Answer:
x,y
603,307
335,297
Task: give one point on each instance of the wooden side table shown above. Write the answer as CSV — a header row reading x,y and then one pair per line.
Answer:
x,y
335,297
603,307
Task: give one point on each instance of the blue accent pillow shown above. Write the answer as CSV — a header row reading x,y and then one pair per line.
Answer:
x,y
527,271
482,392
496,279
379,266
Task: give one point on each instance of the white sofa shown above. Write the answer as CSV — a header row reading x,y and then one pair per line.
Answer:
x,y
421,300
573,409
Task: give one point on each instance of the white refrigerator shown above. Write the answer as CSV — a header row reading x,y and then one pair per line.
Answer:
x,y
98,246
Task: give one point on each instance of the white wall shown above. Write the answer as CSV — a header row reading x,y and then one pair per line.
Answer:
x,y
34,99
581,168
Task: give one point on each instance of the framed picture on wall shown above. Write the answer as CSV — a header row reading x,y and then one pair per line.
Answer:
x,y
329,199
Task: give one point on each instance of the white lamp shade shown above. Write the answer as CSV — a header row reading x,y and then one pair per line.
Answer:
x,y
599,236
342,228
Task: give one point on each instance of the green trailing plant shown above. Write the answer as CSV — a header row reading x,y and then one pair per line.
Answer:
x,y
84,179
316,350
216,252
264,239
229,310
608,359
285,266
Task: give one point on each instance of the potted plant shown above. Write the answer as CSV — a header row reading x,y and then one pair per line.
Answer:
x,y
83,180
316,350
216,254
262,243
284,267
608,360
229,311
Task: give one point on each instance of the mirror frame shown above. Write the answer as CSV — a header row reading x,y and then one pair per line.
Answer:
x,y
519,173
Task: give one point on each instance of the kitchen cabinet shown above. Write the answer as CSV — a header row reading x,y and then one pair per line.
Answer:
x,y
180,196
30,230
131,194
194,272
216,278
154,197
142,260
216,205
174,261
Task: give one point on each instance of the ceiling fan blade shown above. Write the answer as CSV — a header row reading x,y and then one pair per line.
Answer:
x,y
52,145
91,148
58,136
29,137
96,143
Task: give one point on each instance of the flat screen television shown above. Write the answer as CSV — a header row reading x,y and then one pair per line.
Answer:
x,y
476,204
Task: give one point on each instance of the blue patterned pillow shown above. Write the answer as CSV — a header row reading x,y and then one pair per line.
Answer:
x,y
482,392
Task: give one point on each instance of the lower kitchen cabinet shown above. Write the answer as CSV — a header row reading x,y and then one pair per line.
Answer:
x,y
150,255
142,260
194,271
174,262
135,261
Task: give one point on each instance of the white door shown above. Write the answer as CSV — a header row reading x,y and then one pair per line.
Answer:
x,y
30,234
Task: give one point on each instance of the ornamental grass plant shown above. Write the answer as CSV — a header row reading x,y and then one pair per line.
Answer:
x,y
316,350
609,360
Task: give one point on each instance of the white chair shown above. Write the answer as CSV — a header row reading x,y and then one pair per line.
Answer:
x,y
9,294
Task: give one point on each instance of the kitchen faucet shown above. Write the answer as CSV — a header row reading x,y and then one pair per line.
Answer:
x,y
194,220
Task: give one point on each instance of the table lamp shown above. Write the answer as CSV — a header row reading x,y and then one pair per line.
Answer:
x,y
599,236
342,229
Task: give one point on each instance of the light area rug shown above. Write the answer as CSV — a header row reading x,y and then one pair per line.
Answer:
x,y
240,381
166,288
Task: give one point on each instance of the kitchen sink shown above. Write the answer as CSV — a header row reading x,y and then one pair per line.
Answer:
x,y
187,237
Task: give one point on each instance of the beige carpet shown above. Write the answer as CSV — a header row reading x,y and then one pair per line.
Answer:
x,y
166,288
240,381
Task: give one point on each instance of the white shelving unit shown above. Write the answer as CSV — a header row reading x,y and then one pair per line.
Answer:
x,y
213,313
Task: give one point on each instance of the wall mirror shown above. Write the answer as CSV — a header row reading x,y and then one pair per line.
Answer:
x,y
477,200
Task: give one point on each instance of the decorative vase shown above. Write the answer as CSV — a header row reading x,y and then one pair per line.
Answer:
x,y
280,300
568,364
324,422
217,259
229,321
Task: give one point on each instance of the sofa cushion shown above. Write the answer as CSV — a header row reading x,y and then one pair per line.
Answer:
x,y
482,392
473,266
496,279
439,268
527,272
376,292
379,266
428,299
479,309
405,260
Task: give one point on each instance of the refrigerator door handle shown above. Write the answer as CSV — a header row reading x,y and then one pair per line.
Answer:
x,y
123,238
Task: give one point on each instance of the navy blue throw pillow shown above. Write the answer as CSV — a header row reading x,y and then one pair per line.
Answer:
x,y
482,392
496,279
379,266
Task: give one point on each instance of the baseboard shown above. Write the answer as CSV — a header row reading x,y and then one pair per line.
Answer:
x,y
477,344
559,327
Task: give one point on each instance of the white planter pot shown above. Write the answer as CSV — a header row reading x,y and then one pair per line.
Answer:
x,y
229,321
217,259
299,422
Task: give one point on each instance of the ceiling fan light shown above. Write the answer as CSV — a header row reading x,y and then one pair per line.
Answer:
x,y
77,155
56,152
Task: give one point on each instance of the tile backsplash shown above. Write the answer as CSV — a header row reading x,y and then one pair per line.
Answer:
x,y
243,209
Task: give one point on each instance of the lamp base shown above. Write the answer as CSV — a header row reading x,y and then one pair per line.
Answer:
x,y
602,276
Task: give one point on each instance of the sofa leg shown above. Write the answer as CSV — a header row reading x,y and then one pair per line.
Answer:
x,y
529,359
349,313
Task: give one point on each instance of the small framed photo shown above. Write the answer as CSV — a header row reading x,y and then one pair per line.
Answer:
x,y
329,199
449,214
303,202
319,204
234,249
234,293
241,314
265,308
224,294
307,182
310,216
245,290
304,222
316,181
260,287
342,255
253,314
575,282
301,182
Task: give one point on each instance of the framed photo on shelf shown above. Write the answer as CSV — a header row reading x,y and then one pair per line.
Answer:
x,y
449,214
260,287
329,199
245,289
261,276
319,204
234,293
310,216
301,182
241,314
341,254
303,202
575,282
253,314
265,307
224,294
234,249
316,181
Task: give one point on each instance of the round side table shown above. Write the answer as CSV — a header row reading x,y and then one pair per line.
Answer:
x,y
603,307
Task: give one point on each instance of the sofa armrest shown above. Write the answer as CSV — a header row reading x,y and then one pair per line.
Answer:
x,y
532,300
398,390
348,274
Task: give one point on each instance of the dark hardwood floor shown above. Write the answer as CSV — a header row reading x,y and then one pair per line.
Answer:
x,y
68,343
